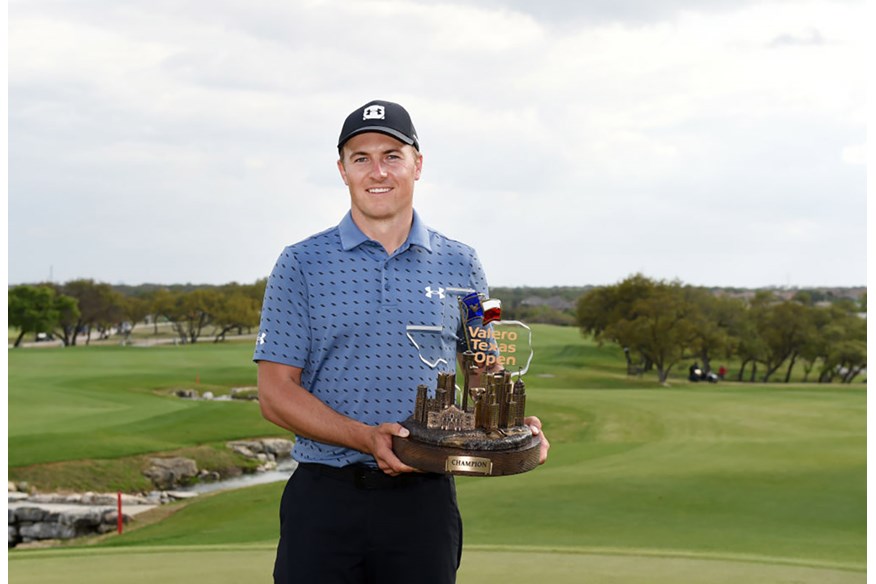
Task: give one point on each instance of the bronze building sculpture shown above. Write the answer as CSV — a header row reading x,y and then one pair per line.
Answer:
x,y
479,428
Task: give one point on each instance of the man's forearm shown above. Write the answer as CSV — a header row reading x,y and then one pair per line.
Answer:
x,y
287,404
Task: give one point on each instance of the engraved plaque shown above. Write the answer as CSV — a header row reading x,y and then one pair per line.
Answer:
x,y
468,465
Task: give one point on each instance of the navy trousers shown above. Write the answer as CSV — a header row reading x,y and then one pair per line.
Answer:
x,y
358,526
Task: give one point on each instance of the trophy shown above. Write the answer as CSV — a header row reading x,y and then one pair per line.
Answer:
x,y
476,429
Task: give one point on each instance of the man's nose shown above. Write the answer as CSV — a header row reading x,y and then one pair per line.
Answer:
x,y
377,169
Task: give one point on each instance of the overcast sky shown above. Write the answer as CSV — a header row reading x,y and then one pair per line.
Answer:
x,y
571,143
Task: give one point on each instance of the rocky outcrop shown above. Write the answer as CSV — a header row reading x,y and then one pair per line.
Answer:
x,y
55,516
268,451
170,473
236,393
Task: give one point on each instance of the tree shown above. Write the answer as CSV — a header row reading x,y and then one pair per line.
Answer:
x,y
37,309
99,306
606,305
235,309
785,329
842,346
188,312
134,309
660,328
712,318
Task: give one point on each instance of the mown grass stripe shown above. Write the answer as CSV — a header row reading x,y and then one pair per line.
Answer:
x,y
516,549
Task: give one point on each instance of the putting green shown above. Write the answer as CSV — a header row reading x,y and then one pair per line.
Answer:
x,y
252,564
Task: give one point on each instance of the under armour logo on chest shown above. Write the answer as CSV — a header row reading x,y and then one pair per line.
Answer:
x,y
439,292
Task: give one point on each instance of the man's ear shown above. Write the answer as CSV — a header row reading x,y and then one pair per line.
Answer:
x,y
418,165
343,171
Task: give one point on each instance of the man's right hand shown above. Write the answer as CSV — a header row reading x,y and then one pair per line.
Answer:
x,y
379,444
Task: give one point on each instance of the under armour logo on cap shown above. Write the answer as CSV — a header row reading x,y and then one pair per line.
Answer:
x,y
374,112
384,117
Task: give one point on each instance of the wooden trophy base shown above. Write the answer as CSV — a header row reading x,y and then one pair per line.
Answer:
x,y
459,461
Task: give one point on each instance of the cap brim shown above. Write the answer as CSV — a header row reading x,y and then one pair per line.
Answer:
x,y
381,130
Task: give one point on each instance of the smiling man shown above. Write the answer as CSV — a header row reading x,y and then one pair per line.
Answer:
x,y
335,368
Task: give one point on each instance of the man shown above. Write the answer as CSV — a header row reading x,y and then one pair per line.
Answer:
x,y
335,368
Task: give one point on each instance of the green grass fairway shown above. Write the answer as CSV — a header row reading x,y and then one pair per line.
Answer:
x,y
740,472
101,402
233,565
645,484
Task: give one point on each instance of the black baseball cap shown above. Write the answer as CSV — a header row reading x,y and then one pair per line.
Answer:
x,y
384,117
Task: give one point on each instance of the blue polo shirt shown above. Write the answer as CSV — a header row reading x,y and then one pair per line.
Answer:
x,y
338,306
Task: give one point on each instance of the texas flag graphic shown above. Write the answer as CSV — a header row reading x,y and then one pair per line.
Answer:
x,y
492,310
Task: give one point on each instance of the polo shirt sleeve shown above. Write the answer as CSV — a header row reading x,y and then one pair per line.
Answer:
x,y
478,277
284,330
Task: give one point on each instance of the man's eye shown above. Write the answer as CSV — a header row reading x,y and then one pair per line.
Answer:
x,y
360,159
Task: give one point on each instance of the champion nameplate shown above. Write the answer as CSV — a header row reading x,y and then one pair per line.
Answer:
x,y
469,464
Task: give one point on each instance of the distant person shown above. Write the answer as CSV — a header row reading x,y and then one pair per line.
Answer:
x,y
695,372
334,368
722,372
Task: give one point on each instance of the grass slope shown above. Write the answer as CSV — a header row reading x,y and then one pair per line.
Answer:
x,y
104,402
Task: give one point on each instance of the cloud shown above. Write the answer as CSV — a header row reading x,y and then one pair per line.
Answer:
x,y
812,37
609,135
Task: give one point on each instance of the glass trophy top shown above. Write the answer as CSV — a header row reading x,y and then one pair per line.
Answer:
x,y
472,322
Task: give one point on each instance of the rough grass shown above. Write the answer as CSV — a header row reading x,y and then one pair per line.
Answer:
x,y
123,474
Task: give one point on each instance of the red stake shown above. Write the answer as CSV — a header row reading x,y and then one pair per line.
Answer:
x,y
119,513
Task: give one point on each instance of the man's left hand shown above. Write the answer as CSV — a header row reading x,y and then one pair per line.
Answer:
x,y
535,425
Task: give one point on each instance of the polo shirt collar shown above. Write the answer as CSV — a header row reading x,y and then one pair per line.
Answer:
x,y
352,236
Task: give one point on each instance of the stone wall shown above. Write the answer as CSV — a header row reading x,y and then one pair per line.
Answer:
x,y
35,517
53,516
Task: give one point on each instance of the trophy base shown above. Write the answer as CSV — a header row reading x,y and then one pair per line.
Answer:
x,y
467,462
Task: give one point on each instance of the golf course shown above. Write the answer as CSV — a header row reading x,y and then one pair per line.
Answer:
x,y
645,483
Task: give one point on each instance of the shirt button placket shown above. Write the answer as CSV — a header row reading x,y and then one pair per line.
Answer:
x,y
386,292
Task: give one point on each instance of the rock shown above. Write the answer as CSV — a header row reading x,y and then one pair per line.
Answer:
x,y
168,473
207,395
14,538
32,514
187,393
99,499
48,498
46,531
246,393
253,446
23,487
17,496
110,517
12,487
209,476
243,451
181,494
81,519
278,446
134,500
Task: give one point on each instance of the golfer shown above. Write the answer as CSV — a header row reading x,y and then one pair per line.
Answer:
x,y
336,368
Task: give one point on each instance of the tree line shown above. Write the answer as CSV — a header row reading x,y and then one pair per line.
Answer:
x,y
660,324
79,308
